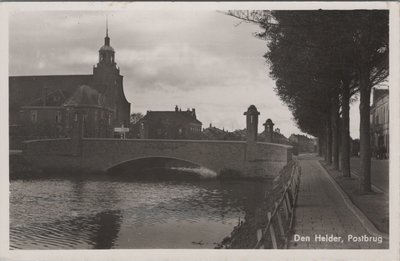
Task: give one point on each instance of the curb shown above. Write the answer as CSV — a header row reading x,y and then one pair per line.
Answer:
x,y
366,223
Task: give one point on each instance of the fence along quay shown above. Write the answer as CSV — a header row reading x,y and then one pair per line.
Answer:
x,y
285,204
277,230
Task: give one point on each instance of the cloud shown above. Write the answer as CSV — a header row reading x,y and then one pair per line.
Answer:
x,y
180,67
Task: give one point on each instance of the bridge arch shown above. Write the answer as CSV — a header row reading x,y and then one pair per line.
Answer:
x,y
214,155
157,163
127,161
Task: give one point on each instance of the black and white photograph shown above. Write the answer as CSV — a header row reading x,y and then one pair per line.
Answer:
x,y
201,127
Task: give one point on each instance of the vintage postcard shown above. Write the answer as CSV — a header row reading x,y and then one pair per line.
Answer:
x,y
189,131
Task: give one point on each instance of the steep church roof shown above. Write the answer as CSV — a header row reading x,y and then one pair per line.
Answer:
x,y
54,98
87,96
23,90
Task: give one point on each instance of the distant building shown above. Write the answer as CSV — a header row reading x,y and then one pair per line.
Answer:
x,y
379,120
214,133
302,143
175,124
44,106
271,135
277,137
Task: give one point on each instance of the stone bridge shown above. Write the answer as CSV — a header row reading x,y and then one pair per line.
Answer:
x,y
99,155
249,158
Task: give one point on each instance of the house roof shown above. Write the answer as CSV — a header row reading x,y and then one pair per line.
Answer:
x,y
171,116
214,133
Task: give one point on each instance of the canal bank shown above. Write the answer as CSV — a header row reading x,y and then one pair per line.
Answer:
x,y
255,230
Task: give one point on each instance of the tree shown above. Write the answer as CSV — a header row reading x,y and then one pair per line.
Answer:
x,y
326,54
135,117
371,49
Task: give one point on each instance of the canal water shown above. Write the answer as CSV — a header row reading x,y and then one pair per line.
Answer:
x,y
108,211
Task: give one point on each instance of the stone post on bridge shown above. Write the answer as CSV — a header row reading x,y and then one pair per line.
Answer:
x,y
77,133
269,130
252,132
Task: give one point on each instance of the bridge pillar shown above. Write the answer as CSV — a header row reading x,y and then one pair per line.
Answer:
x,y
252,131
269,130
77,133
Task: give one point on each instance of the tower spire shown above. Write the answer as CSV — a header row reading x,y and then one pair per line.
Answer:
x,y
106,52
107,39
107,26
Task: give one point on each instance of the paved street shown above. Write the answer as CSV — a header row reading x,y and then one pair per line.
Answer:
x,y
379,172
321,210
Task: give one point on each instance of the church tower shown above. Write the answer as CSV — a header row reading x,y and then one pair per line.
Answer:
x,y
108,81
106,71
106,52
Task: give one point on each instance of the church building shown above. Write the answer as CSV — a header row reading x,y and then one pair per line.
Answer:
x,y
47,106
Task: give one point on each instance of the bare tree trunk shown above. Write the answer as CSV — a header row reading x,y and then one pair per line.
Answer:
x,y
345,130
320,145
365,145
339,142
335,131
329,143
325,144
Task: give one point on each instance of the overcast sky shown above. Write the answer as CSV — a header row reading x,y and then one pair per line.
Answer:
x,y
193,59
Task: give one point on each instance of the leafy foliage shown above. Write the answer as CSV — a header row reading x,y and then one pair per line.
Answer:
x,y
321,57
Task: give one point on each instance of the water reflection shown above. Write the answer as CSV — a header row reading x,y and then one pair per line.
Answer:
x,y
108,212
109,224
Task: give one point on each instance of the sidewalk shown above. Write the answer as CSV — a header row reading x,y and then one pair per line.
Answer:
x,y
374,205
322,212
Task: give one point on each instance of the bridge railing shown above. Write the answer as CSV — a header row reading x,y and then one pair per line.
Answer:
x,y
280,220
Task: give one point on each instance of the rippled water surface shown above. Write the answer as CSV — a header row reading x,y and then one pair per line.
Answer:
x,y
113,213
